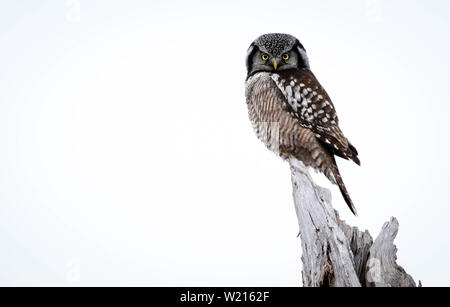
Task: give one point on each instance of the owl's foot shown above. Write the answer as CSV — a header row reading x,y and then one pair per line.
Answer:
x,y
322,194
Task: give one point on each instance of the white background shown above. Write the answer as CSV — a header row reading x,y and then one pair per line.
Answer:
x,y
127,157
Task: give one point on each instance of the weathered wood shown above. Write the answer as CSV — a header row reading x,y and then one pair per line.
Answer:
x,y
360,243
327,257
382,268
334,253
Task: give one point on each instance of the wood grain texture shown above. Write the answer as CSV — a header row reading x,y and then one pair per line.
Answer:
x,y
336,254
382,268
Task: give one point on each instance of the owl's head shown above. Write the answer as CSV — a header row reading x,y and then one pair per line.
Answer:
x,y
276,52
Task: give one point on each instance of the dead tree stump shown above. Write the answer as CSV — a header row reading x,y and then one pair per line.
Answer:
x,y
336,254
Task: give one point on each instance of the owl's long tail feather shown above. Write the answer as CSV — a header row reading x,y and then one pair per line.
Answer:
x,y
342,188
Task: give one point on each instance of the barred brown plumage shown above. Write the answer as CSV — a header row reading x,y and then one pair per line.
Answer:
x,y
291,112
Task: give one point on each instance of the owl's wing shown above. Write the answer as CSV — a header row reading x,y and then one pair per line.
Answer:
x,y
309,103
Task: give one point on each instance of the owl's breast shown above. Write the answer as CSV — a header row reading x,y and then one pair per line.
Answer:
x,y
266,110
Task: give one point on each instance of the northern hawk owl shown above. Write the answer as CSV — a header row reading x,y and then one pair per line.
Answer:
x,y
290,111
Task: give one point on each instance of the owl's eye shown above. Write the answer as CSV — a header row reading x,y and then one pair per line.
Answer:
x,y
285,56
264,57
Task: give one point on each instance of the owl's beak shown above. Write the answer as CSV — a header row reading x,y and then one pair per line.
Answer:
x,y
275,65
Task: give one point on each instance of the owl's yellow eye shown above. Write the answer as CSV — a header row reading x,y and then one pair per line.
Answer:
x,y
264,57
285,56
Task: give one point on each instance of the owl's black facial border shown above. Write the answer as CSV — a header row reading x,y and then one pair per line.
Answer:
x,y
257,63
250,53
303,61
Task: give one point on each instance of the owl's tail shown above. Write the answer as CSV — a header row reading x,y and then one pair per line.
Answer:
x,y
342,188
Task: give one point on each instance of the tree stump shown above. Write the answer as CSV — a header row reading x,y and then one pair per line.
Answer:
x,y
336,254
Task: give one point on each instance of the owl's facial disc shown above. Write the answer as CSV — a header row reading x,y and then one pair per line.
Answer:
x,y
284,61
275,52
263,61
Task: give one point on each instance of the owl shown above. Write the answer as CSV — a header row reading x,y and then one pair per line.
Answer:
x,y
290,111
